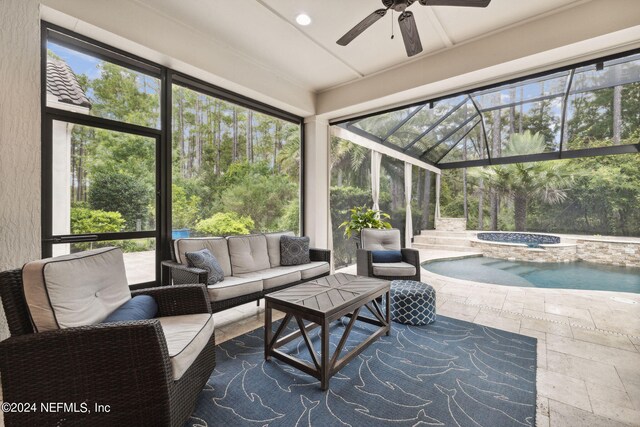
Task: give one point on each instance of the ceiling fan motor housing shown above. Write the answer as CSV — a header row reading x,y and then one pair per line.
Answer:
x,y
397,5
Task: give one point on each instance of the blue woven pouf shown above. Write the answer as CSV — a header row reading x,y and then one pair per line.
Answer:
x,y
412,303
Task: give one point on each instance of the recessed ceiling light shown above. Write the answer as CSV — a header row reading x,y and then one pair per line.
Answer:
x,y
303,19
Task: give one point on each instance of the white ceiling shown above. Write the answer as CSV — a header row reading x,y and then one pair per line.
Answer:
x,y
265,32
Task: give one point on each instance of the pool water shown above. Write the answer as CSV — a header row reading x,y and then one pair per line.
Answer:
x,y
574,275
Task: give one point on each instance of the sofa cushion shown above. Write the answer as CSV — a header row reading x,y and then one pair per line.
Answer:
x,y
313,269
140,307
386,256
393,269
216,245
248,253
275,277
294,250
186,337
273,246
204,260
75,290
380,240
233,287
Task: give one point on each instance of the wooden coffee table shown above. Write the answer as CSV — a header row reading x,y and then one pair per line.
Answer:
x,y
321,302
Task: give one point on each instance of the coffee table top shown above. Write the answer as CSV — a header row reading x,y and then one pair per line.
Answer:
x,y
328,294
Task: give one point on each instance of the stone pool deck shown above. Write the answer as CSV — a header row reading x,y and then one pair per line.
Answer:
x,y
588,343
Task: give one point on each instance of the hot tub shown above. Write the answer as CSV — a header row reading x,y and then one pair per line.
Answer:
x,y
518,246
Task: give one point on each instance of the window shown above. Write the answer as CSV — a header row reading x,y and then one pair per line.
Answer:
x,y
114,176
235,170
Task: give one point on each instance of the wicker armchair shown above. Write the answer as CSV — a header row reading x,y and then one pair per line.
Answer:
x,y
125,365
377,240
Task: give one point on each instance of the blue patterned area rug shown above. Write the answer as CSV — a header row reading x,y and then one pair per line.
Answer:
x,y
449,373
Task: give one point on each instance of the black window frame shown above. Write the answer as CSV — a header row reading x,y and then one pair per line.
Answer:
x,y
162,135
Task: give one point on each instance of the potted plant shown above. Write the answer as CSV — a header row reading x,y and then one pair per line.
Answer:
x,y
363,217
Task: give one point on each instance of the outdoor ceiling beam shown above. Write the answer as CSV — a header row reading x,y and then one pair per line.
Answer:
x,y
449,135
342,132
555,155
484,130
434,125
565,102
458,141
402,123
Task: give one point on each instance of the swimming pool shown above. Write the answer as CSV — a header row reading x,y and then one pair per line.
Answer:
x,y
573,275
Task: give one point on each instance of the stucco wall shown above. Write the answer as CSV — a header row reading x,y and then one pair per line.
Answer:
x,y
19,135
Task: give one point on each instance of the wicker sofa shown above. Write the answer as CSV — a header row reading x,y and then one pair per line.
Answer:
x,y
148,372
251,266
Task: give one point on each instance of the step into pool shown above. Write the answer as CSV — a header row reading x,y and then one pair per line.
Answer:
x,y
574,275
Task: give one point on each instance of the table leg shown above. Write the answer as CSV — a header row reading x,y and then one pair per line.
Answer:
x,y
325,369
268,333
388,311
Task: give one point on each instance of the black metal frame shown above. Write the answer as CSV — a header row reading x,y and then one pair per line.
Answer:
x,y
350,123
162,136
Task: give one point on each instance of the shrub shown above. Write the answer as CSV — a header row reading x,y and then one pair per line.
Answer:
x,y
87,221
225,224
121,193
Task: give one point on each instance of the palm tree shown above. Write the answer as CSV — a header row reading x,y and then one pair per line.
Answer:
x,y
524,181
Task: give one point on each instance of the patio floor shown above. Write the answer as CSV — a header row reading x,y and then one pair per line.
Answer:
x,y
588,343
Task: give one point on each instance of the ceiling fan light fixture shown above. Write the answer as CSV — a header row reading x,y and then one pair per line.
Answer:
x,y
303,19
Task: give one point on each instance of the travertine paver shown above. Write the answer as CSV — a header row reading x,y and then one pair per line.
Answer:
x,y
586,377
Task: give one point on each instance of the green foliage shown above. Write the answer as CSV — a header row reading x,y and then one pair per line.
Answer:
x,y
261,196
291,218
122,193
186,209
225,224
364,217
89,221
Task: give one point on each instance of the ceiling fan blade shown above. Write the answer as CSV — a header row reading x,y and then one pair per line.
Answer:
x,y
463,3
361,26
410,33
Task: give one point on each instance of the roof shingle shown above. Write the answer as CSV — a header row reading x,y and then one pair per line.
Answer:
x,y
63,84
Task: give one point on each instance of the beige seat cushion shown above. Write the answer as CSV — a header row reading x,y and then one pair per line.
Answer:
x,y
216,245
248,253
273,246
274,277
75,290
380,240
393,269
313,269
186,336
233,287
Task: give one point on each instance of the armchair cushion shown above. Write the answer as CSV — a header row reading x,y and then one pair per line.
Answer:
x,y
386,256
140,307
394,269
380,240
294,250
186,336
75,290
273,246
216,245
204,260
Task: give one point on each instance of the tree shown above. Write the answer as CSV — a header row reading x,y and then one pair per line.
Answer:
x,y
524,181
121,193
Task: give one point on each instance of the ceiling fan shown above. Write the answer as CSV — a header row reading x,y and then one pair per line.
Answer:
x,y
406,21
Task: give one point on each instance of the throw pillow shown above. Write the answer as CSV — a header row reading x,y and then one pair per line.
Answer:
x,y
204,260
386,256
140,307
294,250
